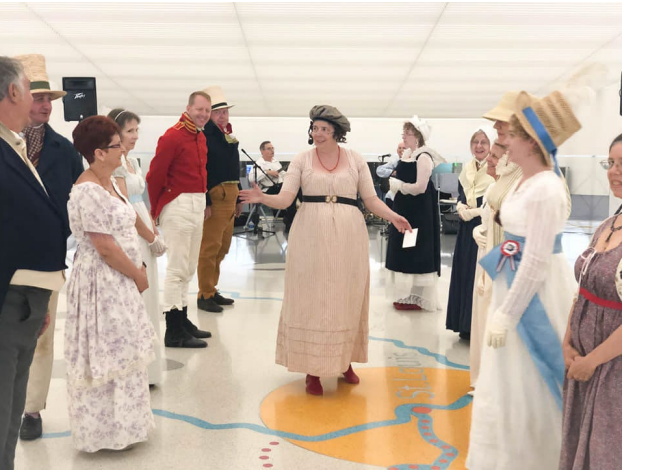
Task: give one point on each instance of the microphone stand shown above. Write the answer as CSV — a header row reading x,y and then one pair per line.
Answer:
x,y
372,218
257,206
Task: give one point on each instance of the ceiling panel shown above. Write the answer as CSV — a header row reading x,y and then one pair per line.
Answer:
x,y
278,59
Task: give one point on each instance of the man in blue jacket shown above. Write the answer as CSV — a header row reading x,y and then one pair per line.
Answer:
x,y
59,165
32,254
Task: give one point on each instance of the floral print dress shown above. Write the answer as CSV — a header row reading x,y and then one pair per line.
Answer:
x,y
108,337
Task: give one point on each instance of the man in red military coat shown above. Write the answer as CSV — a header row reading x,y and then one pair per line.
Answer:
x,y
177,182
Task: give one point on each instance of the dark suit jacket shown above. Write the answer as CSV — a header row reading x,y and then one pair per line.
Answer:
x,y
223,164
33,230
59,166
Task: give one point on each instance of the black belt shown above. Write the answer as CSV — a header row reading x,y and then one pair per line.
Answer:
x,y
329,199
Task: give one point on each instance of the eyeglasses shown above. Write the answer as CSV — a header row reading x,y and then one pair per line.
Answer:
x,y
407,135
113,146
609,163
480,143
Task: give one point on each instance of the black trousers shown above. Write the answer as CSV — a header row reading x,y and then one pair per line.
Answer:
x,y
21,318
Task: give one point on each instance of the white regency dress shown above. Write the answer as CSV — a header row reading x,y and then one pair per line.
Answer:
x,y
135,184
516,421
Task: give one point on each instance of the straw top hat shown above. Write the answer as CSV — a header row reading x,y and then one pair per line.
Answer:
x,y
34,65
549,120
422,126
218,99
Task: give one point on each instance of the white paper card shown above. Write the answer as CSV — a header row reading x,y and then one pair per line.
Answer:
x,y
410,239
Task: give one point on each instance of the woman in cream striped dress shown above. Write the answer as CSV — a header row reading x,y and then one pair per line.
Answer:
x,y
323,326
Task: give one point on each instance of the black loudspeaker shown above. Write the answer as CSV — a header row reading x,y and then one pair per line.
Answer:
x,y
81,101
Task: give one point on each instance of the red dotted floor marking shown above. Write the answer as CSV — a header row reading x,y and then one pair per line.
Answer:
x,y
266,457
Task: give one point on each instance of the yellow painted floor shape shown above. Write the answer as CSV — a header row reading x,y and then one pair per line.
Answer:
x,y
398,417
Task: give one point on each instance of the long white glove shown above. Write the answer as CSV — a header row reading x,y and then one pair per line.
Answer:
x,y
395,184
158,246
479,236
467,214
499,324
496,336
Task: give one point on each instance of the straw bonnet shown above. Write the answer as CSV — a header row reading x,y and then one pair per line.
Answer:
x,y
549,120
34,65
422,126
330,114
504,109
218,100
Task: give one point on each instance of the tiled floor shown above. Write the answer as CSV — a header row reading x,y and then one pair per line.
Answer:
x,y
230,407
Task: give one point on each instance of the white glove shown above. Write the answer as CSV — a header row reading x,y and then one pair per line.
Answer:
x,y
479,237
467,214
496,337
158,246
395,184
497,328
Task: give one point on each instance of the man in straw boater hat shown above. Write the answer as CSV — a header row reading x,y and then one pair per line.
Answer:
x,y
223,185
177,182
32,254
516,421
59,165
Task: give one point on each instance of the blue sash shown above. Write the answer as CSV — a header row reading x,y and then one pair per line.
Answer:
x,y
534,328
135,198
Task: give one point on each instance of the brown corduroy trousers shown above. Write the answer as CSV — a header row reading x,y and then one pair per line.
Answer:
x,y
216,237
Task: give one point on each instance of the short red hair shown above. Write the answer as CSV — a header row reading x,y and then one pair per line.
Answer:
x,y
94,132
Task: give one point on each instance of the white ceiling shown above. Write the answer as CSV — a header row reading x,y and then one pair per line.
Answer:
x,y
441,60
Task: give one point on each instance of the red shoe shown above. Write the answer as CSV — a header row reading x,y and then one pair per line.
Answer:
x,y
313,385
406,306
350,376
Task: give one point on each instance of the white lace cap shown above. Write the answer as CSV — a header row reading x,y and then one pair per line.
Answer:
x,y
422,126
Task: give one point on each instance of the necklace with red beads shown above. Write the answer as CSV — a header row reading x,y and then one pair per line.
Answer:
x,y
338,159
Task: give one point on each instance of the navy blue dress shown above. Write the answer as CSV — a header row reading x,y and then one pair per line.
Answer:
x,y
422,211
464,264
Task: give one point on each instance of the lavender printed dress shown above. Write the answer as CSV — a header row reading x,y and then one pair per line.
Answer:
x,y
108,337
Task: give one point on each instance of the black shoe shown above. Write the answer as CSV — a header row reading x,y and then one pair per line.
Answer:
x,y
176,335
31,428
191,328
209,304
194,330
220,300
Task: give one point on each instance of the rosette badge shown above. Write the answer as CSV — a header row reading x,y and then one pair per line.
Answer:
x,y
509,250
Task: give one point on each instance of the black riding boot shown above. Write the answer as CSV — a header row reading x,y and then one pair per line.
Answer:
x,y
176,335
191,328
